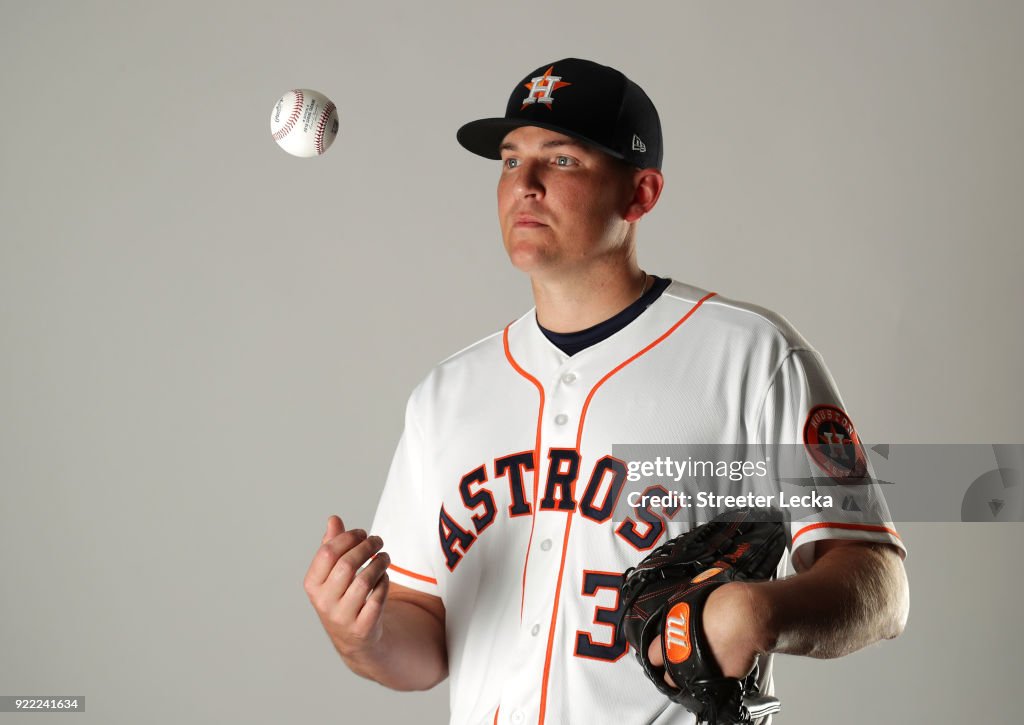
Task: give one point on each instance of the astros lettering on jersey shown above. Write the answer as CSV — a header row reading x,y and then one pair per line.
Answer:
x,y
492,500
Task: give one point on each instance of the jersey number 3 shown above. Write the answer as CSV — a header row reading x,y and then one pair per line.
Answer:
x,y
614,643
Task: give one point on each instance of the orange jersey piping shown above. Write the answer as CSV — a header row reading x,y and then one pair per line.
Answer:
x,y
536,460
568,519
839,525
414,575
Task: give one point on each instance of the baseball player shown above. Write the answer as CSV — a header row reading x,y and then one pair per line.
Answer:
x,y
504,558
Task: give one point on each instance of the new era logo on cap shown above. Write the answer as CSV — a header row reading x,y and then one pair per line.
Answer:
x,y
584,100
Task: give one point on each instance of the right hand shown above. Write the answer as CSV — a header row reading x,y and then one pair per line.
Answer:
x,y
349,604
729,618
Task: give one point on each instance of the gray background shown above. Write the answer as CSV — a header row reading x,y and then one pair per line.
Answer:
x,y
207,344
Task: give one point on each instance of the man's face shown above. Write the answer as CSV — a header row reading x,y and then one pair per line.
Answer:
x,y
560,202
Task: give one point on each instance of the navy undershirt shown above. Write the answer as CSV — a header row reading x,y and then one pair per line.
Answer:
x,y
572,342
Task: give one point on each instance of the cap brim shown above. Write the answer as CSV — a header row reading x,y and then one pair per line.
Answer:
x,y
484,137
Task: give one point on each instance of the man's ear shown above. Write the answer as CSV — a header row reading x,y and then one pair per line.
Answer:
x,y
647,186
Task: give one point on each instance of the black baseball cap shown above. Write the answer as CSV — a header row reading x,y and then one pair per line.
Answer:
x,y
582,99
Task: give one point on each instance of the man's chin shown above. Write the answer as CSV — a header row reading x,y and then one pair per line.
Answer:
x,y
526,257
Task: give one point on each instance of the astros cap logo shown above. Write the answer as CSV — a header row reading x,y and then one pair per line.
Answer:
x,y
541,88
605,109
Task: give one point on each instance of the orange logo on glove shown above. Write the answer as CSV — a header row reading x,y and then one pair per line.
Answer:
x,y
705,575
677,633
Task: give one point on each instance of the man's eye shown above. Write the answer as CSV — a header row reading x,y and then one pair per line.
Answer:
x,y
511,163
564,160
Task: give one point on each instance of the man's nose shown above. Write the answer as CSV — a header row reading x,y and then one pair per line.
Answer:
x,y
528,180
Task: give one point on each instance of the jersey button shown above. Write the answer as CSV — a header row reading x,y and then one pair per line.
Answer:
x,y
517,716
545,545
535,630
561,419
569,378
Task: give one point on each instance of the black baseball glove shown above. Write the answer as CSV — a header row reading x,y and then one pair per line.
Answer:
x,y
665,595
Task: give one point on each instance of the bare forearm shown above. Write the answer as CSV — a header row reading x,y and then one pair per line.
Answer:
x,y
411,653
852,597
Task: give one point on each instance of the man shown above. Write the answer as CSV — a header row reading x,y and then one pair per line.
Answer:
x,y
504,560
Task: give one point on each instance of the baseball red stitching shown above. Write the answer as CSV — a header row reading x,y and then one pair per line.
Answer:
x,y
325,116
293,119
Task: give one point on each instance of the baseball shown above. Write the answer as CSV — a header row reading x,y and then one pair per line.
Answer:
x,y
304,122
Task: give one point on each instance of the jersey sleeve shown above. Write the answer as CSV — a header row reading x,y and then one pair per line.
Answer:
x,y
403,518
805,429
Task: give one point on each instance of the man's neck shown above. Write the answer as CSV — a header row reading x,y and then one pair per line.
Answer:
x,y
582,301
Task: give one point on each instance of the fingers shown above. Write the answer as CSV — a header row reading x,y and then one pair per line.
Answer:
x,y
351,585
347,584
654,653
656,658
335,526
374,603
343,574
366,585
329,553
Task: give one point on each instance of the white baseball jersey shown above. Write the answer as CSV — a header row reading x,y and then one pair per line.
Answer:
x,y
498,500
